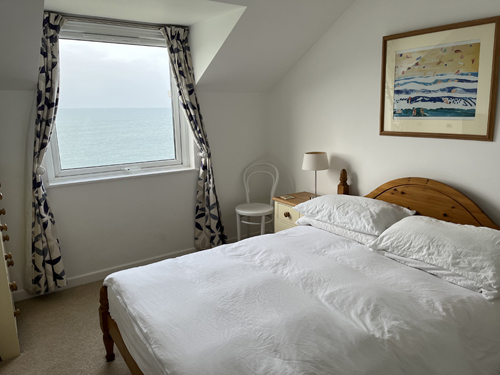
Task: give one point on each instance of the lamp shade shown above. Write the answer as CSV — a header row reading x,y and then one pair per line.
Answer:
x,y
315,161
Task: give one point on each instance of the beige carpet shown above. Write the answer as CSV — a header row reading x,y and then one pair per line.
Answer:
x,y
60,334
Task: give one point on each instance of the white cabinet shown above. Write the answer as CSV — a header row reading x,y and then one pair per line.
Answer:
x,y
9,343
285,215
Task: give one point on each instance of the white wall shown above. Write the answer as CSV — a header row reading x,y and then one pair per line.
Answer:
x,y
105,225
330,101
236,132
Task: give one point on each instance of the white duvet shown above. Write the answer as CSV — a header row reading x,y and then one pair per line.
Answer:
x,y
302,301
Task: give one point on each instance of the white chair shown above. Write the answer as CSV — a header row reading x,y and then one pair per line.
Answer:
x,y
265,211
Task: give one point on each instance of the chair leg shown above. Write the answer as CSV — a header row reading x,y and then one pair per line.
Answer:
x,y
249,227
263,225
238,227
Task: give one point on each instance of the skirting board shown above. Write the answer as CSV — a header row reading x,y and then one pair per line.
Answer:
x,y
102,274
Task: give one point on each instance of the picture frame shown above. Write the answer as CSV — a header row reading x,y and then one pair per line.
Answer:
x,y
441,82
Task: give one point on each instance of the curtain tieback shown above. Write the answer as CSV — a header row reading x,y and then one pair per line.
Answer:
x,y
203,154
40,170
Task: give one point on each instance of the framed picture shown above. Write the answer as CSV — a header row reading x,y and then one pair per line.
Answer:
x,y
441,82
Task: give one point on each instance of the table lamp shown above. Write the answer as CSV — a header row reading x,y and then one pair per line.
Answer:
x,y
315,161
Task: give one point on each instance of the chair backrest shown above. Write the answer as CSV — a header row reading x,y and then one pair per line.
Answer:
x,y
252,170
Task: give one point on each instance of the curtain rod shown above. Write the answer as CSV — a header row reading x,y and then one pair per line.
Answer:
x,y
115,22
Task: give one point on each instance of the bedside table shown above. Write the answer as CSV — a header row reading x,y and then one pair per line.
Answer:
x,y
284,214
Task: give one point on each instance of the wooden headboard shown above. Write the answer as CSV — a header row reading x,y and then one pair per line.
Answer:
x,y
434,199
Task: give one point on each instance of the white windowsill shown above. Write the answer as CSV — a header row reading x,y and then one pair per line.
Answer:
x,y
110,176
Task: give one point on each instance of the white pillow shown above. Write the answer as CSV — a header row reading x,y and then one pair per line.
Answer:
x,y
442,273
362,238
469,251
359,214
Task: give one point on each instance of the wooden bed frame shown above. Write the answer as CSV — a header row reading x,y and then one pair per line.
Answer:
x,y
426,196
434,199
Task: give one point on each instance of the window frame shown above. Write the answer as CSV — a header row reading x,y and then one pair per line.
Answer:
x,y
183,140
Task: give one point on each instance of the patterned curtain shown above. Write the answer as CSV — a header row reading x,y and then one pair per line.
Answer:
x,y
209,231
47,266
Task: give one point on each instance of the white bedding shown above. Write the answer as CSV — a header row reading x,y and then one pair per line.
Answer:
x,y
302,301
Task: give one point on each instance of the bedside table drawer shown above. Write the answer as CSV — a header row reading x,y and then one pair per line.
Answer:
x,y
286,214
279,226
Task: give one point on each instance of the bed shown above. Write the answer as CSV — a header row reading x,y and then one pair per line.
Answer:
x,y
307,301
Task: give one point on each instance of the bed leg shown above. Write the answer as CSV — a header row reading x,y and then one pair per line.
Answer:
x,y
104,316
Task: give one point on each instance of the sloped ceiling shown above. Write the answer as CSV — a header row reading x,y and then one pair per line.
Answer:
x,y
249,54
176,12
267,41
21,28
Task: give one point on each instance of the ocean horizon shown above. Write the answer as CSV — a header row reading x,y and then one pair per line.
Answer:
x,y
90,137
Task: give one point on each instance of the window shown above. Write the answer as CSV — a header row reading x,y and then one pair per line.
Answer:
x,y
116,115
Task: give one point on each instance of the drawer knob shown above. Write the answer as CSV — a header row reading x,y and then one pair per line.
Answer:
x,y
8,256
13,286
287,214
17,312
10,263
2,211
3,227
6,237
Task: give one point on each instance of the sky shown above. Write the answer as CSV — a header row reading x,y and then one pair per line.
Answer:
x,y
105,75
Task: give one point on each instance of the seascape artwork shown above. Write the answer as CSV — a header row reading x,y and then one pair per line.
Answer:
x,y
438,82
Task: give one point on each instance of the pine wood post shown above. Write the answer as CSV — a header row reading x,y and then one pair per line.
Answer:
x,y
343,186
104,316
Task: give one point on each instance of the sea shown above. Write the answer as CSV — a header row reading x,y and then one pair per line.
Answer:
x,y
452,95
90,137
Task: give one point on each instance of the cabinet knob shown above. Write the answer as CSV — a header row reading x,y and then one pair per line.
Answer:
x,y
13,286
10,263
5,237
287,214
8,256
2,211
17,312
3,227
